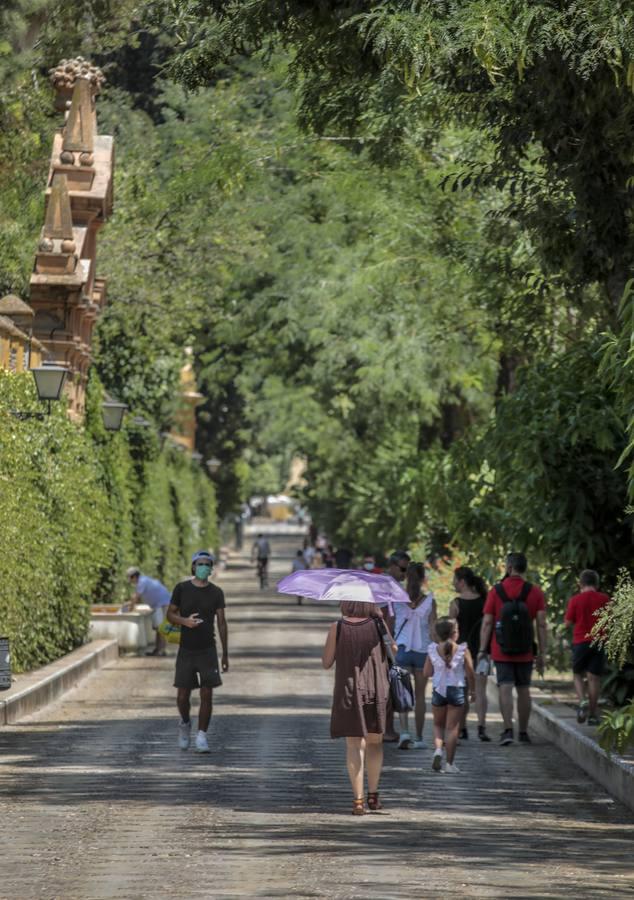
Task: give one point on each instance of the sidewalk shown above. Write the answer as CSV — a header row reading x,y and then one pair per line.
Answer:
x,y
33,690
555,718
99,804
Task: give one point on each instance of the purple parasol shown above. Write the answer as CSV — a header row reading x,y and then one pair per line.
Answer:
x,y
336,585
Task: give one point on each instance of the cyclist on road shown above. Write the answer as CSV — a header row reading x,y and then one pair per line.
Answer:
x,y
261,551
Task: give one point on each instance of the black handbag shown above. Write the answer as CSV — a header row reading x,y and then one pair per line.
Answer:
x,y
401,688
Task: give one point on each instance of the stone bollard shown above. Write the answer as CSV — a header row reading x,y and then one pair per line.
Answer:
x,y
5,664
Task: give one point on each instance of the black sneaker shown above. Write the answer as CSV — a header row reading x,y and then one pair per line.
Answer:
x,y
582,713
482,735
464,735
593,720
524,737
506,737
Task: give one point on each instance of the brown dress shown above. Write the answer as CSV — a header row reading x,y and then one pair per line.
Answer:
x,y
361,685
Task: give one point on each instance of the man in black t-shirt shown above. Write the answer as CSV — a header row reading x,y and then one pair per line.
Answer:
x,y
194,606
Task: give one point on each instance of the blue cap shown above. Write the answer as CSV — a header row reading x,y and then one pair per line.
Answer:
x,y
203,554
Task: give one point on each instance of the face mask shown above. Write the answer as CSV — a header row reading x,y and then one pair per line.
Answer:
x,y
202,572
368,566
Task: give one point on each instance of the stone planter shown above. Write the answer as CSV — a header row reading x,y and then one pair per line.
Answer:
x,y
132,630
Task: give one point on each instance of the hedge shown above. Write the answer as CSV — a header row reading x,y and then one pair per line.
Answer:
x,y
77,506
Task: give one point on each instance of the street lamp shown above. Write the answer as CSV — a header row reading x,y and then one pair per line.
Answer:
x,y
213,466
49,384
197,457
113,412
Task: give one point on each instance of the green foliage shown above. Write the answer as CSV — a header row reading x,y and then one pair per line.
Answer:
x,y
615,623
542,477
55,527
616,731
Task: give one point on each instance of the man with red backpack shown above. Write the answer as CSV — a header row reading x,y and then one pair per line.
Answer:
x,y
510,611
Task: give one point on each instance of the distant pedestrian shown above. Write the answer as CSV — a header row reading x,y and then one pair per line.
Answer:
x,y
397,568
195,604
468,609
260,553
369,565
450,667
588,657
343,558
298,565
309,553
157,596
511,609
355,644
413,632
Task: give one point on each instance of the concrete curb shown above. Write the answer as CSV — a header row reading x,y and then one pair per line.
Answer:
x,y
611,772
37,689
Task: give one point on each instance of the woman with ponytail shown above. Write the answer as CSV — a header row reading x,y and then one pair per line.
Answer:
x,y
413,632
467,609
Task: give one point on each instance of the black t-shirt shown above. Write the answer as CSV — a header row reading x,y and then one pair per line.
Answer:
x,y
203,600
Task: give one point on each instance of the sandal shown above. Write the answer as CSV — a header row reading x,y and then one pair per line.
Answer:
x,y
374,803
358,807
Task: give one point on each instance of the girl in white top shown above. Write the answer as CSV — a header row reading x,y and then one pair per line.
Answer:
x,y
413,630
448,665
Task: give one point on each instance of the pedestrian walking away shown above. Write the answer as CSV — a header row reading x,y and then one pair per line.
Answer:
x,y
157,596
299,564
511,610
261,551
355,646
449,665
468,610
413,632
588,657
195,605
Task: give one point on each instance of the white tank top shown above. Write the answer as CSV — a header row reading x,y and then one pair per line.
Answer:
x,y
451,675
411,626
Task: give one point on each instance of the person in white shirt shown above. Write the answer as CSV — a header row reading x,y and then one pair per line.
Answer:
x,y
450,667
413,631
157,596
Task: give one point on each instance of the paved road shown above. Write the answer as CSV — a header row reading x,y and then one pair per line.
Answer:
x,y
96,802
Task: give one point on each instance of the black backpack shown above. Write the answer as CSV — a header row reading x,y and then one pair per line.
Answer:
x,y
514,630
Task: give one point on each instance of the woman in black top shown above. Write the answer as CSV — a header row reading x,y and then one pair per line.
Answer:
x,y
467,609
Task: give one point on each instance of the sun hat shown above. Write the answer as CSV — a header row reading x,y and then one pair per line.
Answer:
x,y
203,554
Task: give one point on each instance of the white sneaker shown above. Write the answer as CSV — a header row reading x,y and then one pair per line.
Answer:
x,y
201,745
184,732
451,769
436,761
404,741
418,745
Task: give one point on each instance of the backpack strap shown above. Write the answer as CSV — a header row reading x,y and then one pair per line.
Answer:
x,y
338,629
522,597
526,589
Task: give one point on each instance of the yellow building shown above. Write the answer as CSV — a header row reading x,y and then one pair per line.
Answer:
x,y
19,351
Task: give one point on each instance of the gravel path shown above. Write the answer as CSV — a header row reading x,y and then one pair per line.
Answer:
x,y
97,802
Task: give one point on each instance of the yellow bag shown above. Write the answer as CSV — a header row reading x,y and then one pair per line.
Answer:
x,y
171,633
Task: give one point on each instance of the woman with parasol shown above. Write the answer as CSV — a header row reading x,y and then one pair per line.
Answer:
x,y
356,645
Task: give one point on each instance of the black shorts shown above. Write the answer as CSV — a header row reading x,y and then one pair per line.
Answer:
x,y
517,673
588,657
197,668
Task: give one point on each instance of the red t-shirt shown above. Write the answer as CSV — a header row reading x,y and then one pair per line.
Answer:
x,y
581,613
493,606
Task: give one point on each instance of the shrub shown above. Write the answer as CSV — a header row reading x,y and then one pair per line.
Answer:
x,y
56,527
79,505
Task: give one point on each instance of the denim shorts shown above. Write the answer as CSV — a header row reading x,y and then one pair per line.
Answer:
x,y
411,658
455,697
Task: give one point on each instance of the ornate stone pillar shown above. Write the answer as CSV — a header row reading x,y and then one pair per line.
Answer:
x,y
65,293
